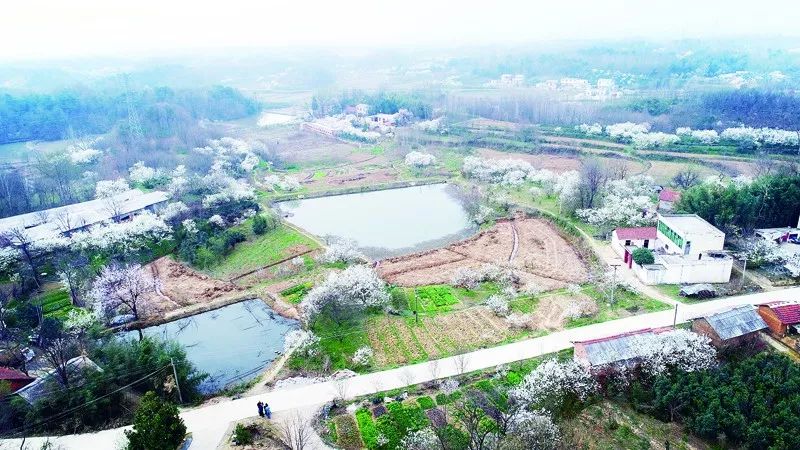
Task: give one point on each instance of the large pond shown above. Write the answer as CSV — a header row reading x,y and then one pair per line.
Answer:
x,y
386,223
231,344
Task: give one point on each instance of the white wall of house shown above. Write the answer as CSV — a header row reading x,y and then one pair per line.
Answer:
x,y
708,271
692,232
619,244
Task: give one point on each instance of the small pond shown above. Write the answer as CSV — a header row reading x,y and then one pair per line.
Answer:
x,y
386,223
232,344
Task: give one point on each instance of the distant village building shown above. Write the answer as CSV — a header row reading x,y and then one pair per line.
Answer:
x,y
687,250
667,199
621,349
68,219
731,328
77,368
362,109
781,317
16,379
508,80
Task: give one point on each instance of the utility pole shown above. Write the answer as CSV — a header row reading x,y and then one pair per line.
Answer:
x,y
675,318
614,281
177,384
744,271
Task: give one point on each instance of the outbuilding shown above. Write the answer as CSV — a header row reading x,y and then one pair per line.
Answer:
x,y
623,240
16,379
619,349
782,317
730,328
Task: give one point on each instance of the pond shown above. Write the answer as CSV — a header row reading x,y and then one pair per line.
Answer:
x,y
386,223
232,344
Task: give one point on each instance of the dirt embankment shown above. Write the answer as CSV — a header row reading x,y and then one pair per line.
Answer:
x,y
542,257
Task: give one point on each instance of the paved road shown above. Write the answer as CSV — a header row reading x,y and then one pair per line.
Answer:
x,y
209,423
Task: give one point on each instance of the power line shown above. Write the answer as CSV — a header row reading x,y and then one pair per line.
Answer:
x,y
68,411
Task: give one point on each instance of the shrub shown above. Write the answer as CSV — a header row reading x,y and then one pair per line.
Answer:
x,y
156,426
442,399
425,402
242,435
259,224
643,256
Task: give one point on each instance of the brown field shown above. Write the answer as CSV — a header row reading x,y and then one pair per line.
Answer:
x,y
179,286
543,257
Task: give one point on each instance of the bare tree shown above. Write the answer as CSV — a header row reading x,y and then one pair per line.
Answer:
x,y
406,377
58,351
294,431
618,170
472,419
764,165
434,369
74,276
19,238
340,389
64,221
42,216
686,178
593,178
113,206
377,383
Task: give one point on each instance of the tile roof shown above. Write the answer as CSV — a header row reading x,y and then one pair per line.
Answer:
x,y
636,233
788,313
668,195
7,373
39,388
736,322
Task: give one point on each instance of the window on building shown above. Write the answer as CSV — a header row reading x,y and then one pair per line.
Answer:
x,y
627,242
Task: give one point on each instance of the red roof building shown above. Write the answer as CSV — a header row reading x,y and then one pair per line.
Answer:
x,y
15,378
668,195
636,234
781,317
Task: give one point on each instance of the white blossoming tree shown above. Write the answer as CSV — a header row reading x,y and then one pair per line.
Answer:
x,y
110,188
345,293
555,385
498,304
532,431
122,290
679,350
363,356
343,251
302,342
419,159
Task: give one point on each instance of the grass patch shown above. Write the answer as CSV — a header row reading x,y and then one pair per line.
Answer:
x,y
625,304
337,341
296,293
398,421
436,298
259,251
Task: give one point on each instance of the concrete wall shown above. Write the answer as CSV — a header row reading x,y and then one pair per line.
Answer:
x,y
713,271
619,245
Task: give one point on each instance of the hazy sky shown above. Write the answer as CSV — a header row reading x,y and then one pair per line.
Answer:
x,y
38,29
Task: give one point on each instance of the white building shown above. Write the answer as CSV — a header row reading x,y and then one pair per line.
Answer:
x,y
362,109
628,238
688,250
65,220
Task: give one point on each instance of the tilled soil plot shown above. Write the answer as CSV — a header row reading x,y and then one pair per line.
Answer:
x,y
396,341
179,286
542,258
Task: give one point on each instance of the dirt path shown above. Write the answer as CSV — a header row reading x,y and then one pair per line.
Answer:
x,y
516,243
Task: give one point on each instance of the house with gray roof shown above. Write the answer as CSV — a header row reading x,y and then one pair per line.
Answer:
x,y
77,368
731,328
624,348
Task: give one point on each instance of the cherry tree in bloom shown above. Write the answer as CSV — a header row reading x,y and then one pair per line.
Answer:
x,y
83,151
129,236
141,174
287,183
122,290
567,188
552,381
110,188
217,221
423,439
532,430
658,139
677,350
761,136
302,342
683,131
233,191
627,129
419,159
498,304
173,211
343,293
706,136
594,128
624,204
343,251
509,172
9,258
363,356
179,181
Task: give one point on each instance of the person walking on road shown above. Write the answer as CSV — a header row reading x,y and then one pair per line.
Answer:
x,y
260,409
267,411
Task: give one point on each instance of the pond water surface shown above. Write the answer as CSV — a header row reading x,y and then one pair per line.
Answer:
x,y
231,344
386,223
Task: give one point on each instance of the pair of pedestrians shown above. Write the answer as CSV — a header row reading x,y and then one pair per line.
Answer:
x,y
264,410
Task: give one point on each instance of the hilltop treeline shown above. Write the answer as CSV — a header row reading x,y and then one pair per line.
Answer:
x,y
419,103
161,110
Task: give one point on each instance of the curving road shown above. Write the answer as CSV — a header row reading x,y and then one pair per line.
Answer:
x,y
209,423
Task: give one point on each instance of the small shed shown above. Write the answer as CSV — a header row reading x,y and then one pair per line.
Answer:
x,y
781,317
667,199
76,368
624,239
16,379
732,327
625,348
